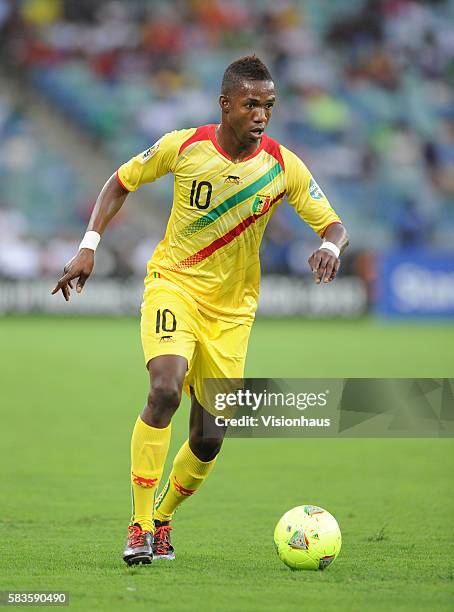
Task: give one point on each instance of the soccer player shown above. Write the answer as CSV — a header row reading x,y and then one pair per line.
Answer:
x,y
202,281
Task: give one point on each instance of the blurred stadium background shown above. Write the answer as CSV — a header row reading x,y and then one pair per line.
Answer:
x,y
365,97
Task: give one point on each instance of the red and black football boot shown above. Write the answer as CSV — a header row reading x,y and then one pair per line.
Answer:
x,y
162,545
139,547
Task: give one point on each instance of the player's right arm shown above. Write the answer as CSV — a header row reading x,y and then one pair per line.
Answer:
x,y
143,168
109,202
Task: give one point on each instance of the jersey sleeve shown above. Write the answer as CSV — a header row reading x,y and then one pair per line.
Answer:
x,y
304,194
153,163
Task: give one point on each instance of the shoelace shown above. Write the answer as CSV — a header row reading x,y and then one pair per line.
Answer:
x,y
162,535
136,536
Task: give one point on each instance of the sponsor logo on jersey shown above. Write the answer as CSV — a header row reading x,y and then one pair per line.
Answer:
x,y
230,178
314,190
261,204
146,155
167,339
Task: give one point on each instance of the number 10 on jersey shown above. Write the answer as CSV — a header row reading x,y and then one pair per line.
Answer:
x,y
201,194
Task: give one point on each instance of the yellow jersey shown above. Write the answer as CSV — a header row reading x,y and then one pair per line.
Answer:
x,y
220,212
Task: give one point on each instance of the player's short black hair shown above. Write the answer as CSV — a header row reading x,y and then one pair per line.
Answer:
x,y
249,68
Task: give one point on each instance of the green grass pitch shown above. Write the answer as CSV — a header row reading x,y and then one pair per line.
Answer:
x,y
70,392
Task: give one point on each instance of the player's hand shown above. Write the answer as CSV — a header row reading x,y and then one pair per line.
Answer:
x,y
80,267
324,265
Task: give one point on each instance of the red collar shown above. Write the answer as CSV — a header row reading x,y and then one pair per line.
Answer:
x,y
214,140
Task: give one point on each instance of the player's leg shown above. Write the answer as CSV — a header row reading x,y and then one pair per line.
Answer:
x,y
149,446
151,435
205,436
167,374
221,353
168,343
191,466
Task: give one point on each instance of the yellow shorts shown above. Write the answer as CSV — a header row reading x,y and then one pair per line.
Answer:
x,y
172,324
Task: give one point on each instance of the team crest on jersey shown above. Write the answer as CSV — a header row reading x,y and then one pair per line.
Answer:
x,y
146,155
261,204
314,190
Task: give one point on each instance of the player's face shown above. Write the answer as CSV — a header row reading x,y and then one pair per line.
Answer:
x,y
249,109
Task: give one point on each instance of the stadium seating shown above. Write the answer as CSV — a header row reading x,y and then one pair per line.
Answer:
x,y
362,95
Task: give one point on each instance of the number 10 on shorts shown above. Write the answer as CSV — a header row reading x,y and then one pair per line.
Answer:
x,y
165,321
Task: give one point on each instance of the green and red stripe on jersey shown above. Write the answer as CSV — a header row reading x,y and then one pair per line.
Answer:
x,y
237,198
217,244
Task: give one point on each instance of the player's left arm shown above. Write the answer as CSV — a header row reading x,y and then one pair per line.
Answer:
x,y
312,205
323,262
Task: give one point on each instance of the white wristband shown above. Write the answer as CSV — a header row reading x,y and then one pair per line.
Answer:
x,y
331,247
90,241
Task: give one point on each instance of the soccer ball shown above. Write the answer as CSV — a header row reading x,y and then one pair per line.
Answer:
x,y
307,537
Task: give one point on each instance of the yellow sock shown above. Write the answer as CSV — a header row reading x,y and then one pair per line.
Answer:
x,y
149,446
187,474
